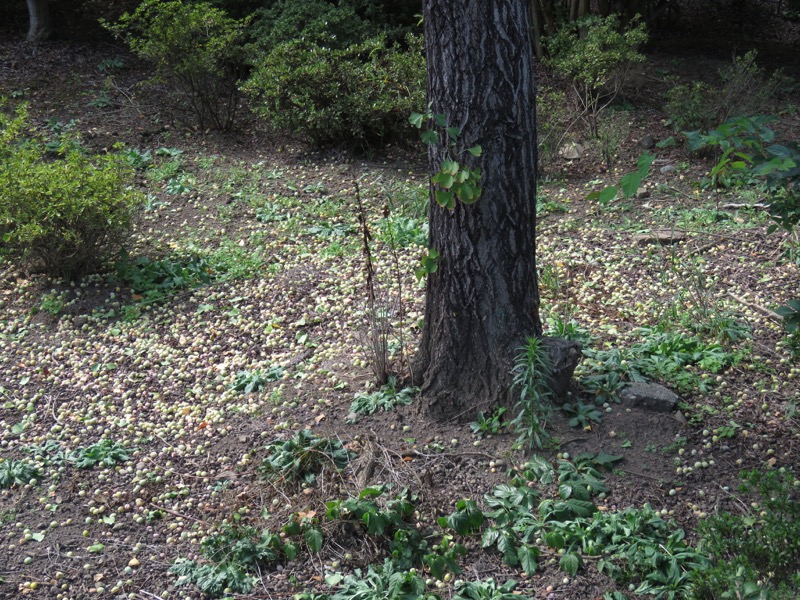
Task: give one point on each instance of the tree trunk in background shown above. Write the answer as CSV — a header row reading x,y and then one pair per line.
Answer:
x,y
40,26
482,302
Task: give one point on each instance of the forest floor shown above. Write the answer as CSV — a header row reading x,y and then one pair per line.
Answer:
x,y
161,376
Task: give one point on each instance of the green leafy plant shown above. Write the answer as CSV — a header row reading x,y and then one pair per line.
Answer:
x,y
662,355
197,51
488,589
106,453
67,213
255,381
302,457
629,184
791,315
17,472
454,180
581,415
154,280
232,557
531,380
489,424
379,582
384,399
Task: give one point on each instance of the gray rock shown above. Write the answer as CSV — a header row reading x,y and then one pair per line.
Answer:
x,y
571,151
564,357
647,141
667,169
649,396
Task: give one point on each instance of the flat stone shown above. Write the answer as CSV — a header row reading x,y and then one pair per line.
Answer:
x,y
649,396
662,237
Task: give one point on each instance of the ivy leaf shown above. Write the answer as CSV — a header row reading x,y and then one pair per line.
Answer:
x,y
416,119
445,199
95,548
440,119
453,132
445,180
450,166
469,193
429,137
475,150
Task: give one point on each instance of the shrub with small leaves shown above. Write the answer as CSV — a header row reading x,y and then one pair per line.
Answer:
x,y
65,213
360,95
198,52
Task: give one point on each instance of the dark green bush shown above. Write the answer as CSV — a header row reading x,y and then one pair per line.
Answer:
x,y
360,96
313,21
65,213
743,89
332,23
754,552
198,54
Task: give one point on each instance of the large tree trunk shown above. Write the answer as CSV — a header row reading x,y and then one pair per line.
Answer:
x,y
482,302
40,26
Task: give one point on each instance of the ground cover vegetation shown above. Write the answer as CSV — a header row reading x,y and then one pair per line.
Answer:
x,y
206,337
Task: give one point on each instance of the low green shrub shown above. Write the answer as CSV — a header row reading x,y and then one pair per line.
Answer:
x,y
65,211
361,95
198,52
743,89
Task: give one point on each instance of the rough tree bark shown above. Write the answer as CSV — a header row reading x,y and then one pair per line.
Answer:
x,y
39,24
482,302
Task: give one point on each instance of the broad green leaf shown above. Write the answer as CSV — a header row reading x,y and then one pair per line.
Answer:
x,y
440,119
416,119
475,150
528,558
630,183
607,194
644,163
95,548
570,563
333,579
453,132
314,539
